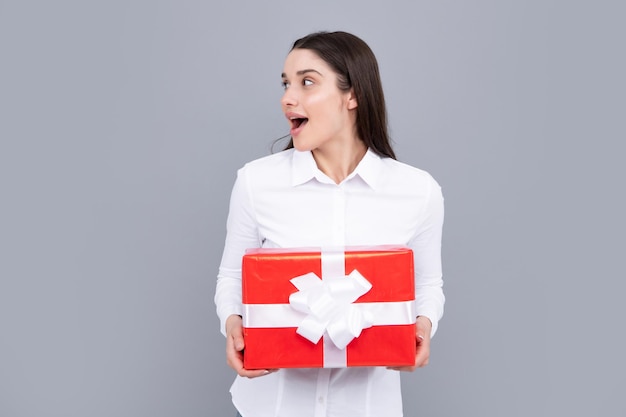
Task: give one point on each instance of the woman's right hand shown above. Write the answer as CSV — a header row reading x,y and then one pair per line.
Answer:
x,y
235,346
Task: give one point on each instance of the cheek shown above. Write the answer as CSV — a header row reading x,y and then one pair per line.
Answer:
x,y
327,106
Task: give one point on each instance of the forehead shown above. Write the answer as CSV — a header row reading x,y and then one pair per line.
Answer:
x,y
305,59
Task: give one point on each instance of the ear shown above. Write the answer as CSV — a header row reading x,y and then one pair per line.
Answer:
x,y
352,104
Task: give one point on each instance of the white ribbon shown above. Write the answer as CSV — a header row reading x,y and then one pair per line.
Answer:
x,y
269,316
328,307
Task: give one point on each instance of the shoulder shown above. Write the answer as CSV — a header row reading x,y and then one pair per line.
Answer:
x,y
270,171
419,188
277,163
406,175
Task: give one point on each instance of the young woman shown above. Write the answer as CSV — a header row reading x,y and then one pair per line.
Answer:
x,y
337,184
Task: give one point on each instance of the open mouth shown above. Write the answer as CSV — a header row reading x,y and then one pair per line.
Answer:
x,y
298,122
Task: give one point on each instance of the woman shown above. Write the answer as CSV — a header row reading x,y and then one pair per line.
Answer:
x,y
336,184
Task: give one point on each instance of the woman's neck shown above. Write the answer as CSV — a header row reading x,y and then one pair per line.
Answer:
x,y
338,160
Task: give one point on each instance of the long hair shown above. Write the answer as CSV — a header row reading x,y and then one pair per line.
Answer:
x,y
357,69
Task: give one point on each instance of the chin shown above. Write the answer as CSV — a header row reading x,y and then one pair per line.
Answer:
x,y
300,146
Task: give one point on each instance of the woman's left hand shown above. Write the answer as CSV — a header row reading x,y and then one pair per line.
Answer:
x,y
423,327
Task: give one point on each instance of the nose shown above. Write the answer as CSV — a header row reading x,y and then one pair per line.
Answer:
x,y
289,98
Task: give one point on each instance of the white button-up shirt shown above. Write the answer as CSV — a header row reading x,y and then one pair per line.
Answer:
x,y
284,200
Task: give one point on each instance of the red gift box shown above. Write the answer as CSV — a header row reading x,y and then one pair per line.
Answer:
x,y
313,308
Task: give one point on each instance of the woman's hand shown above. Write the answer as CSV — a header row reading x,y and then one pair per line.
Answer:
x,y
234,349
423,327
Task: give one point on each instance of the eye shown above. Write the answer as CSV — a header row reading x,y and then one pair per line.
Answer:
x,y
285,84
306,82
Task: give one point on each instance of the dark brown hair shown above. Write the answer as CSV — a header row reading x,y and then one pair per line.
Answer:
x,y
357,69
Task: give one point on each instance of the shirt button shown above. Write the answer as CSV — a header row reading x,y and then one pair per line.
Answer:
x,y
321,400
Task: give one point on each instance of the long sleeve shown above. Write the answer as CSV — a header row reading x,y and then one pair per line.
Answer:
x,y
241,234
426,245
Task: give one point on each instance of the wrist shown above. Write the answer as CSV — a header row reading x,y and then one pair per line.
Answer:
x,y
425,321
234,320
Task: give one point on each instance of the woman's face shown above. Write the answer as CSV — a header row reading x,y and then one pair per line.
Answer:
x,y
319,113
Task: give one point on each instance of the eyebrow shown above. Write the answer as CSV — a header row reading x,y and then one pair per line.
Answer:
x,y
302,72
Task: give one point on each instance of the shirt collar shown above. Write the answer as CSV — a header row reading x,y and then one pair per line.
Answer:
x,y
305,169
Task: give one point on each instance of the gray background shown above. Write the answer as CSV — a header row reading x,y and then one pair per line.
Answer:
x,y
122,124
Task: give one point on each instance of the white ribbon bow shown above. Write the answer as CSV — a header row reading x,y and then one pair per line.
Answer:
x,y
329,307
